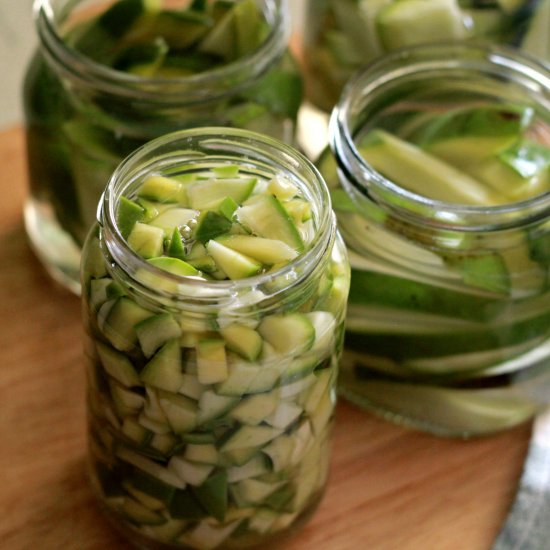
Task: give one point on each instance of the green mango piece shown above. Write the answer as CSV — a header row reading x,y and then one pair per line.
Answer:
x,y
184,505
213,495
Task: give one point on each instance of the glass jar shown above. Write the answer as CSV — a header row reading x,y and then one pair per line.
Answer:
x,y
449,309
180,461
84,116
341,36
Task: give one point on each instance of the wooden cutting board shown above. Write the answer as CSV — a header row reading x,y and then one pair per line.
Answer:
x,y
390,488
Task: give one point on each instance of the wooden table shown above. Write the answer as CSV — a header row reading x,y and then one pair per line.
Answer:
x,y
390,488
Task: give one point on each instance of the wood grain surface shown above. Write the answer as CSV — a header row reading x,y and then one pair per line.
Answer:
x,y
390,488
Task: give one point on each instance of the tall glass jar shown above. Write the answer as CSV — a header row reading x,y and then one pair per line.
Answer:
x,y
210,401
102,84
341,36
449,311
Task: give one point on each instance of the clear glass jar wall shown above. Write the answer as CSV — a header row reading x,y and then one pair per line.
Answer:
x,y
110,76
210,401
341,36
440,179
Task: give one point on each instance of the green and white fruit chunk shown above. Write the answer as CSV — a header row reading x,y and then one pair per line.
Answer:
x,y
206,428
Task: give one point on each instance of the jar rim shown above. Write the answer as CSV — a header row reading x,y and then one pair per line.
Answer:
x,y
422,60
202,86
259,150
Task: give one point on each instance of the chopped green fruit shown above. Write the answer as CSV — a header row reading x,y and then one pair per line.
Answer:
x,y
98,291
290,334
213,495
486,271
226,171
407,22
193,473
150,467
220,41
121,16
267,251
248,378
211,361
282,188
256,466
155,331
119,326
209,194
410,167
254,492
128,214
254,409
161,189
142,59
146,240
164,370
234,264
527,158
247,20
180,411
118,366
134,431
126,401
138,513
265,216
213,405
243,340
206,453
152,486
174,266
185,505
176,248
211,225
299,210
250,437
227,208
498,125
180,29
173,218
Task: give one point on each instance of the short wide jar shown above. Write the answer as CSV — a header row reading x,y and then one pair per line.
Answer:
x,y
210,402
448,325
108,77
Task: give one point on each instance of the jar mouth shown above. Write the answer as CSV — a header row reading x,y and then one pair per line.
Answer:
x,y
215,146
503,65
202,86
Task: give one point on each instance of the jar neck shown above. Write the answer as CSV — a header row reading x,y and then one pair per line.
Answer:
x,y
203,149
50,16
496,73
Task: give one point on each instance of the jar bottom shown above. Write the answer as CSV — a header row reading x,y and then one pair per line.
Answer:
x,y
55,249
142,541
445,411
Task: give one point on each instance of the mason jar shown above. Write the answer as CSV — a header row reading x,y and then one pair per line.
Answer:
x,y
211,386
108,77
439,169
341,36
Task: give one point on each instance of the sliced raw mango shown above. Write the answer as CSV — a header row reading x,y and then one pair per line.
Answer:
x,y
208,195
265,216
410,167
234,264
290,334
164,370
267,251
